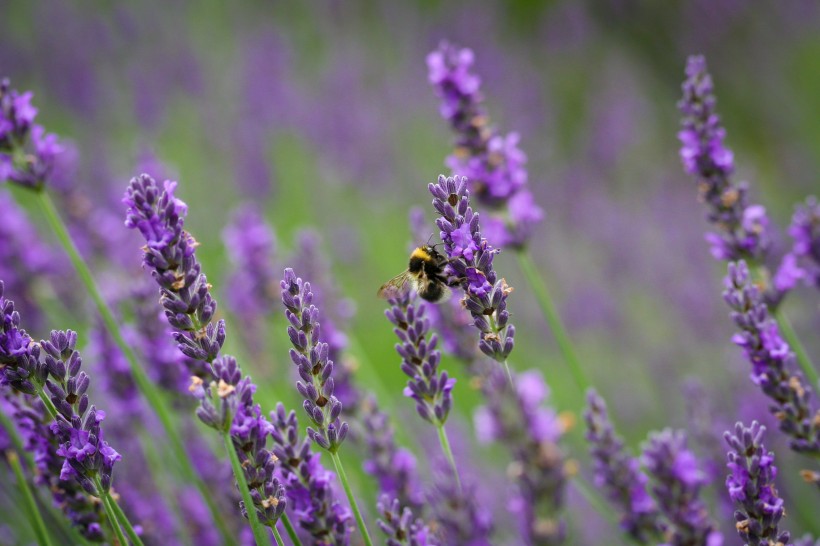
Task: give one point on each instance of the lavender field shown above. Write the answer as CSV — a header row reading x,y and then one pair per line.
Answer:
x,y
200,201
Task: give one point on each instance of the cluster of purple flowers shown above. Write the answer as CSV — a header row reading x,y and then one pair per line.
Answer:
x,y
743,228
751,485
470,266
492,162
225,397
27,152
773,362
803,261
315,368
400,526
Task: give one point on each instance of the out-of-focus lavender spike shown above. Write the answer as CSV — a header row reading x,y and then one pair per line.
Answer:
x,y
27,152
457,516
315,368
393,467
520,421
492,162
676,484
470,266
83,511
744,228
309,260
308,485
400,527
807,540
251,246
751,486
773,363
803,261
619,474
431,390
225,397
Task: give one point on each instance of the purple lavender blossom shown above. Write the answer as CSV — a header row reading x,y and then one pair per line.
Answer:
x,y
619,474
393,467
431,390
20,365
251,246
27,152
520,421
773,363
751,486
336,311
744,228
309,486
677,481
457,516
493,163
315,368
471,266
226,398
85,513
803,262
400,527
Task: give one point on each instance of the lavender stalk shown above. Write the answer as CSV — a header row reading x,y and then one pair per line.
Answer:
x,y
36,519
316,370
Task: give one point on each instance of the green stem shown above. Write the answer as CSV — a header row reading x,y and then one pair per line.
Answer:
x,y
52,411
277,536
109,510
294,538
123,519
34,512
152,395
259,534
445,447
799,351
353,504
553,320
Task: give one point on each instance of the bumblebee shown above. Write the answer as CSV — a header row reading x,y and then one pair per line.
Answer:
x,y
425,273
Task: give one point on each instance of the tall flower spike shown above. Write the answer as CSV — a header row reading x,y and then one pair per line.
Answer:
x,y
619,474
773,363
308,484
677,481
471,266
431,390
27,152
803,261
493,163
517,418
751,486
77,425
744,228
400,527
225,397
315,368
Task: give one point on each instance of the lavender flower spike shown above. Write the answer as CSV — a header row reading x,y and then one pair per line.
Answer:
x,y
803,262
751,486
225,397
619,474
431,390
493,163
471,266
677,483
311,358
27,152
400,527
744,228
773,363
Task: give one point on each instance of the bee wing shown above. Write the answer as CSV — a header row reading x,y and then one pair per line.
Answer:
x,y
395,285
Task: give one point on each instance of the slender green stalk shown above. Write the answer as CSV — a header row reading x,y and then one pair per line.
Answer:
x,y
353,504
52,411
35,516
149,391
11,432
552,317
112,515
123,519
277,537
445,447
259,534
799,351
294,538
